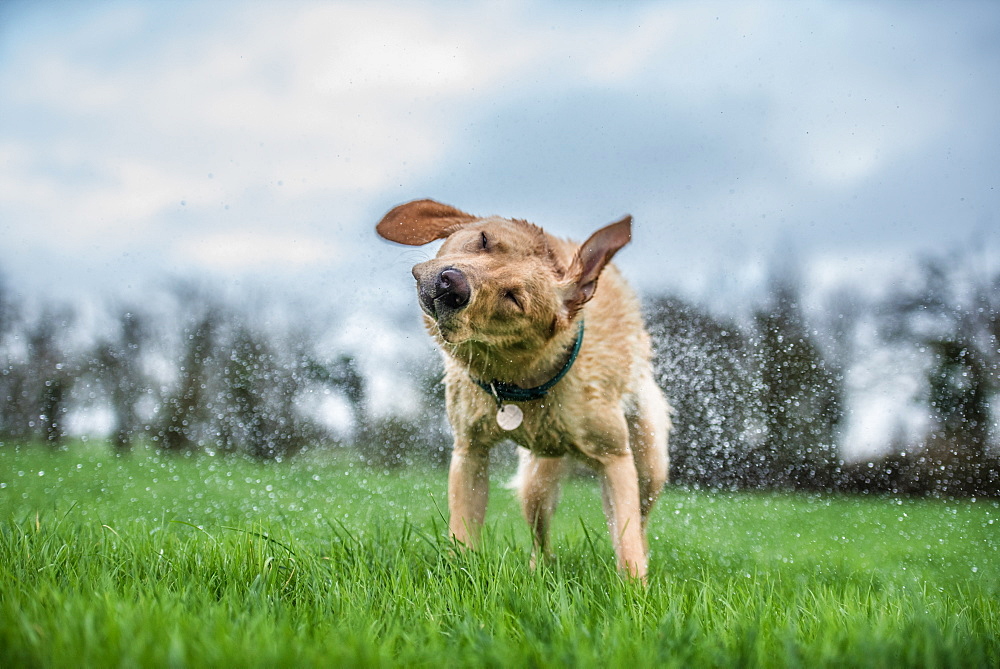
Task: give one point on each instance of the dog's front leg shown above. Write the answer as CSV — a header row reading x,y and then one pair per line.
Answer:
x,y
468,492
538,488
621,494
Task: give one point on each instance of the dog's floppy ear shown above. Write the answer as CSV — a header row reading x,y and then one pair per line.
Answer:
x,y
591,258
420,222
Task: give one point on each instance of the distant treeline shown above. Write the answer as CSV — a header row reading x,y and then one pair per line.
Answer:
x,y
760,399
762,404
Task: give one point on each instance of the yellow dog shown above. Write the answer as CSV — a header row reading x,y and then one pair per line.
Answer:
x,y
537,353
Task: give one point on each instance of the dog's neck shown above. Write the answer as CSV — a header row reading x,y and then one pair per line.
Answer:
x,y
523,366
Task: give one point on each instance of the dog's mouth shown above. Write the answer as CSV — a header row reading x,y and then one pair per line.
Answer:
x,y
449,327
428,306
438,305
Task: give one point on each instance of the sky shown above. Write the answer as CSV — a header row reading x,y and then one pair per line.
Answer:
x,y
258,143
262,141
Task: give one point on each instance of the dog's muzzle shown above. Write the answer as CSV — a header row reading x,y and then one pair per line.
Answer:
x,y
444,293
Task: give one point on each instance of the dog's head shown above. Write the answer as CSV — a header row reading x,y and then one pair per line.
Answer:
x,y
499,282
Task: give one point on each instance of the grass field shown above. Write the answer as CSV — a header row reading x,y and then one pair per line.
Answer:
x,y
209,561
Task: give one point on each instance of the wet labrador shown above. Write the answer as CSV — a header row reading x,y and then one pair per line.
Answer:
x,y
544,344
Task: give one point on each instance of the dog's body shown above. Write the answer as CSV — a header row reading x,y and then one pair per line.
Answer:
x,y
505,301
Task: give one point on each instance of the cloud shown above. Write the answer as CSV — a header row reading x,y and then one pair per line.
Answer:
x,y
244,251
129,128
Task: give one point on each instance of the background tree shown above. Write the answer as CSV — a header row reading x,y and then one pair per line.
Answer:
x,y
117,365
950,313
184,411
261,384
421,435
13,369
802,396
343,375
50,376
707,369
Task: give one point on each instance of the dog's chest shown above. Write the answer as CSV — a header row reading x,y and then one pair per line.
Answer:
x,y
543,431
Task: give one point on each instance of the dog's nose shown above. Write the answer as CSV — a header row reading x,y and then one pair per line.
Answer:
x,y
452,289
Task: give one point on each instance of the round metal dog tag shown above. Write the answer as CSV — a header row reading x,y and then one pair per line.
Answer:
x,y
509,416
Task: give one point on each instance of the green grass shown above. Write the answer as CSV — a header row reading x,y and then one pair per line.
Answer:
x,y
202,561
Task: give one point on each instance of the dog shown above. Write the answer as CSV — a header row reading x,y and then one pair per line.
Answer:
x,y
537,353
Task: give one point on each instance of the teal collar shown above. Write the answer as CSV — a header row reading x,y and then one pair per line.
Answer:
x,y
509,392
